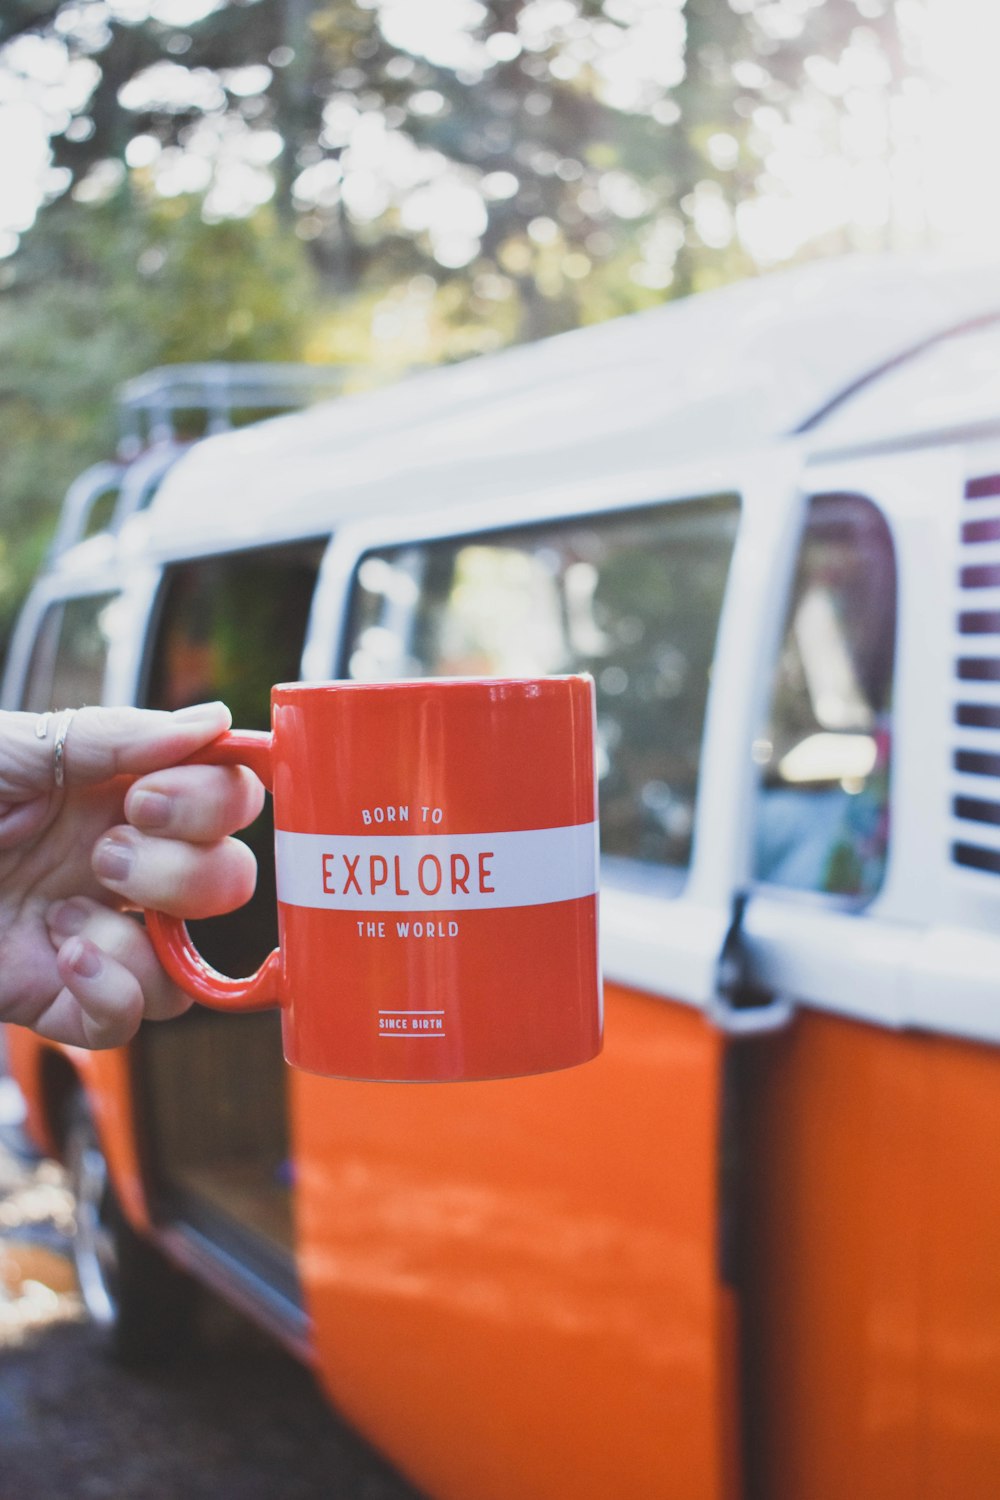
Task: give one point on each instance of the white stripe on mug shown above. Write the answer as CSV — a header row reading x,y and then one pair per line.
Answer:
x,y
437,872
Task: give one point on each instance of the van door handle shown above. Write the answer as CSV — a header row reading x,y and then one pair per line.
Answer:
x,y
739,1007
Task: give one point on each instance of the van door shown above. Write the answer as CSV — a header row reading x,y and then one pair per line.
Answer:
x,y
518,1288
871,1271
212,1087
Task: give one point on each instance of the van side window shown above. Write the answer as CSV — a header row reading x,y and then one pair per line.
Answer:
x,y
229,627
823,816
633,597
70,654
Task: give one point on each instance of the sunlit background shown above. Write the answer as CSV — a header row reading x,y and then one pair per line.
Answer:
x,y
890,149
379,185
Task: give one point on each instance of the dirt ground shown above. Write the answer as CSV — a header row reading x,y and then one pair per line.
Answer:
x,y
238,1420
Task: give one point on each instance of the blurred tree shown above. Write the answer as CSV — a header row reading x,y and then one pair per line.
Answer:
x,y
96,297
579,156
391,182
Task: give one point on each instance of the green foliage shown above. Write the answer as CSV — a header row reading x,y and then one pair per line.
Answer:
x,y
97,296
577,199
241,289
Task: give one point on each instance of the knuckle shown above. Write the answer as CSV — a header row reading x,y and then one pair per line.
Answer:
x,y
253,791
116,1022
116,934
234,874
187,880
205,802
164,999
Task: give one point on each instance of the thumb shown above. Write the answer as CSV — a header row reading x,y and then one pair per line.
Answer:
x,y
100,743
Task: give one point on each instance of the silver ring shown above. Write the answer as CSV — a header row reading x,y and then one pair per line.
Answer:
x,y
59,749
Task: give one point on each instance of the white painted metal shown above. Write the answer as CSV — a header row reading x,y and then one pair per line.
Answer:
x,y
81,497
709,375
951,388
698,398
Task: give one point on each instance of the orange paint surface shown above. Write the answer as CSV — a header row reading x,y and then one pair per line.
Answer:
x,y
873,1306
108,1081
24,1056
514,1285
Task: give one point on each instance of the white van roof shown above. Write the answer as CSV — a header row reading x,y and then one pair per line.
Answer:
x,y
706,374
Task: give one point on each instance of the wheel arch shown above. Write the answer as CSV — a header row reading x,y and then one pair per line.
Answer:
x,y
58,1083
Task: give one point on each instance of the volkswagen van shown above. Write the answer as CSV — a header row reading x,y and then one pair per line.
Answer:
x,y
754,1248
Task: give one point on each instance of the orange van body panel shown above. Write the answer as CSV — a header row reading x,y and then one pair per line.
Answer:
x,y
875,1266
107,1078
514,1285
24,1063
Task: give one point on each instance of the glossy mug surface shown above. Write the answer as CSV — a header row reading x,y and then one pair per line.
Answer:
x,y
436,854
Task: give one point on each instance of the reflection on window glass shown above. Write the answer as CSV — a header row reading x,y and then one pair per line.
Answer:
x,y
70,654
230,627
634,599
824,811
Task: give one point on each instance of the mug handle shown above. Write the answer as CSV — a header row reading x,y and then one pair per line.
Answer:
x,y
169,935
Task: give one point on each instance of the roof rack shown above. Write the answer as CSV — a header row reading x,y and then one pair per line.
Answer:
x,y
225,395
81,497
163,411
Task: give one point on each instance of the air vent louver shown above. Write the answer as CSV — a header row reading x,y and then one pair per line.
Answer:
x,y
975,807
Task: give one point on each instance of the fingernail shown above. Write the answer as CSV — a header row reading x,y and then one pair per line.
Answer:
x,y
66,918
201,713
149,809
113,861
82,957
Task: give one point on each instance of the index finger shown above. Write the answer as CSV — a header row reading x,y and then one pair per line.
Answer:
x,y
100,743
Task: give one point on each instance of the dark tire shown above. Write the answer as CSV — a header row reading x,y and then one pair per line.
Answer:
x,y
145,1306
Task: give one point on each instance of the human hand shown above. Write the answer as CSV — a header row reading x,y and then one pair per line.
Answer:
x,y
131,827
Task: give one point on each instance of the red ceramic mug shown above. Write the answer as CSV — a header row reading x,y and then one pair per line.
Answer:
x,y
436,853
